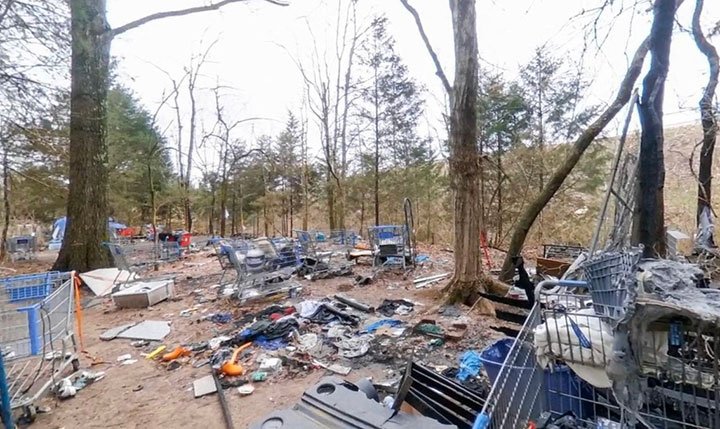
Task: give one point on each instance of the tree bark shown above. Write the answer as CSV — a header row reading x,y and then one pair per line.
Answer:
x,y
464,156
6,203
707,114
532,210
651,166
87,209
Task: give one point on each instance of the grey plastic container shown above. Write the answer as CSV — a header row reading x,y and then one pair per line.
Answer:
x,y
612,282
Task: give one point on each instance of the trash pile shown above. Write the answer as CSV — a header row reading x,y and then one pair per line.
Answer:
x,y
635,343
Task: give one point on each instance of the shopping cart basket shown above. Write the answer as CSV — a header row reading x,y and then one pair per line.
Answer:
x,y
37,342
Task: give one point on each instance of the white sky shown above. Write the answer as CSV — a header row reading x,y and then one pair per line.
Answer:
x,y
248,56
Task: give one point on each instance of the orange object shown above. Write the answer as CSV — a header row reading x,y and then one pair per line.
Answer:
x,y
231,367
78,309
179,351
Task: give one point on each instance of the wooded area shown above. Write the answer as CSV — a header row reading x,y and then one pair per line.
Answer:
x,y
367,106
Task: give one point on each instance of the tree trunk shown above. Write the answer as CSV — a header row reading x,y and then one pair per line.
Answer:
x,y
465,160
87,209
707,115
331,200
6,203
651,169
377,152
531,212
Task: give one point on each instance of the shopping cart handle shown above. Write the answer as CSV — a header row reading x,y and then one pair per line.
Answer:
x,y
557,282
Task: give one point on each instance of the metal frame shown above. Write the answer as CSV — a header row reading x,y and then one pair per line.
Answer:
x,y
390,245
38,344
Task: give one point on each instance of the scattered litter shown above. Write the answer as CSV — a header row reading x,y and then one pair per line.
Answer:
x,y
112,333
204,386
363,280
172,366
355,346
151,330
178,352
68,387
246,389
140,343
338,331
422,282
355,304
215,343
137,388
337,369
391,323
129,361
220,318
156,352
124,357
270,365
258,376
390,307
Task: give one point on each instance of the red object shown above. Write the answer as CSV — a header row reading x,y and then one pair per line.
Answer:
x,y
276,316
483,244
185,239
126,232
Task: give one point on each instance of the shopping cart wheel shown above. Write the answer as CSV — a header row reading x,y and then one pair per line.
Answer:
x,y
29,413
75,364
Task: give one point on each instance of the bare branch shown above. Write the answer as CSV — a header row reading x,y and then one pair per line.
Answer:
x,y
431,51
182,12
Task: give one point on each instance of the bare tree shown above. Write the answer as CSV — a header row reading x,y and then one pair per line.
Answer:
x,y
87,200
707,115
468,278
331,97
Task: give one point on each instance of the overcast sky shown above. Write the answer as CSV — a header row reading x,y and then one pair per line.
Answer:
x,y
255,41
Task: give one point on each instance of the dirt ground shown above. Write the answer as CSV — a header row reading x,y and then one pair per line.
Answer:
x,y
148,394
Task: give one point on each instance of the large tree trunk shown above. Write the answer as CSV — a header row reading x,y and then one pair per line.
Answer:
x,y
575,152
465,160
651,169
87,209
707,115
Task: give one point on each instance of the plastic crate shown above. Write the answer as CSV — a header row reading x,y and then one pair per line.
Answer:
x,y
610,277
32,286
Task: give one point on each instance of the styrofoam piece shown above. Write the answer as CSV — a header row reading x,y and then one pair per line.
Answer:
x,y
151,330
112,333
102,281
204,386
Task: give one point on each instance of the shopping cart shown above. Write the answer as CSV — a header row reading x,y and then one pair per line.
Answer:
x,y
37,341
21,248
391,246
558,365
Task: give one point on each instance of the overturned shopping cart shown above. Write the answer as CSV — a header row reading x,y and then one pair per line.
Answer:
x,y
37,339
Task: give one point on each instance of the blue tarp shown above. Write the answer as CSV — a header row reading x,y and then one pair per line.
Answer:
x,y
59,228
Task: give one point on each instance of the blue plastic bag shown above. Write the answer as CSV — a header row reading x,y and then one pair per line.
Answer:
x,y
470,365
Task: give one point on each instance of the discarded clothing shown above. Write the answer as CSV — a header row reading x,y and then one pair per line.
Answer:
x,y
450,311
307,308
430,328
276,344
355,346
470,365
267,329
273,309
389,307
391,323
326,313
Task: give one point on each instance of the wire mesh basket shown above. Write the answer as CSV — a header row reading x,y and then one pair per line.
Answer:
x,y
610,277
